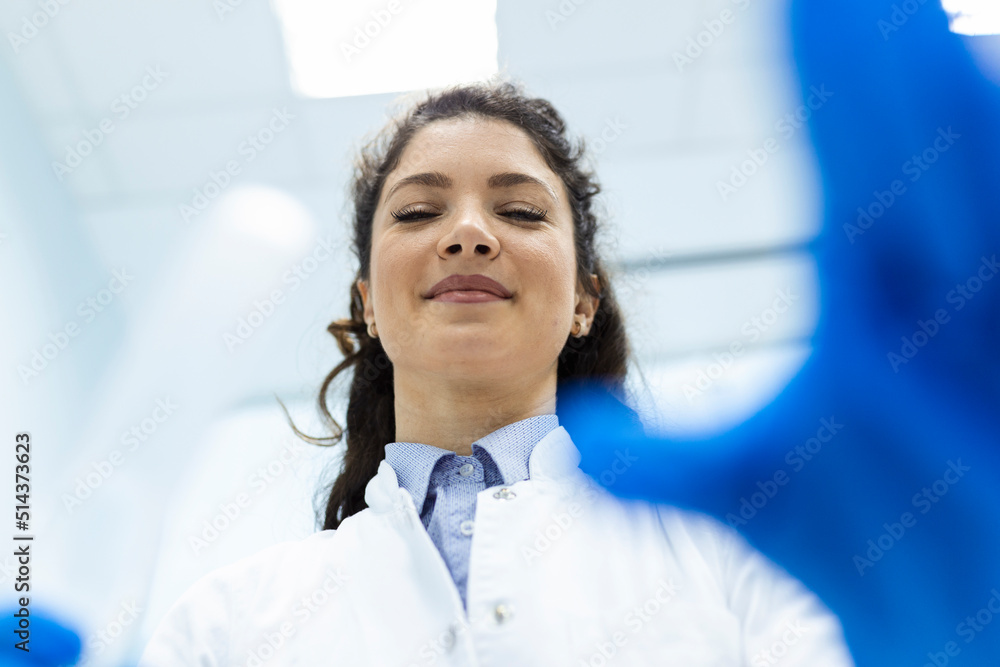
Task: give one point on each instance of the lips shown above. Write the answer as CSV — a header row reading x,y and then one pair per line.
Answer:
x,y
456,282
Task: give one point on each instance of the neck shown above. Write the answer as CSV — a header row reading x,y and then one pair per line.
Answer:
x,y
452,414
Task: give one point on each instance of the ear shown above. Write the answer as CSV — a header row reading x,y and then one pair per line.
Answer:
x,y
586,305
369,315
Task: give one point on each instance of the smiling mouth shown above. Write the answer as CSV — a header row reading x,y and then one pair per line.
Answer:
x,y
467,296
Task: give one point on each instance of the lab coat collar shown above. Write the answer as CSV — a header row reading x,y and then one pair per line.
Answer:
x,y
555,457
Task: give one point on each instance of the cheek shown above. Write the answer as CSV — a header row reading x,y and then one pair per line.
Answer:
x,y
559,260
549,273
386,268
399,268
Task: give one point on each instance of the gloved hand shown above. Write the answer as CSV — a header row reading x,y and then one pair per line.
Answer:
x,y
48,642
874,477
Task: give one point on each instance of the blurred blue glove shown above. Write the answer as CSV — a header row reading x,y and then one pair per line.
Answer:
x,y
50,644
874,477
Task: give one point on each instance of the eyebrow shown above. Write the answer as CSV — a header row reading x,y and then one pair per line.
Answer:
x,y
507,179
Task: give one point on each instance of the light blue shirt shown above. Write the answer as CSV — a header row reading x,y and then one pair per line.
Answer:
x,y
444,485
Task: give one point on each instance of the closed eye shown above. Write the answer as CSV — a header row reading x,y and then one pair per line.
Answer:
x,y
411,214
529,213
520,213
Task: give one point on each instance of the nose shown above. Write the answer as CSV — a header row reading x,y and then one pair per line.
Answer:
x,y
469,236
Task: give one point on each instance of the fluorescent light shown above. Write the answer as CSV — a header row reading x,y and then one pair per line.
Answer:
x,y
268,215
973,17
336,49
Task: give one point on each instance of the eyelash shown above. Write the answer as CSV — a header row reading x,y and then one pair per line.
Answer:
x,y
529,213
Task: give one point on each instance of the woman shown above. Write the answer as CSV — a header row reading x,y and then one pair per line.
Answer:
x,y
460,530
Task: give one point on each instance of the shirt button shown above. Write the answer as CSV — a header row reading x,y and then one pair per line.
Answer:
x,y
466,470
505,494
503,612
466,526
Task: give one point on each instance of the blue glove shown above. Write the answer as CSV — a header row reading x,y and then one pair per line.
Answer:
x,y
49,644
874,477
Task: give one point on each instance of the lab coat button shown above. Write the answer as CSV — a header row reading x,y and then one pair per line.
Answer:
x,y
466,526
505,493
448,640
466,470
503,612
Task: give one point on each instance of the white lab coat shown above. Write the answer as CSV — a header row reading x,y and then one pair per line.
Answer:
x,y
561,573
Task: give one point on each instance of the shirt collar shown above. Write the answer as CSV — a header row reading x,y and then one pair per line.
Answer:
x,y
509,446
555,458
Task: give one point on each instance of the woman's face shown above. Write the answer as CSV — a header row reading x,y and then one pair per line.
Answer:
x,y
474,197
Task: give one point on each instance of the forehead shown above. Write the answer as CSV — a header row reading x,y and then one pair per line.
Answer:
x,y
472,147
455,137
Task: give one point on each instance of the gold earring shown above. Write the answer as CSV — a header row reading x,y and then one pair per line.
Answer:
x,y
577,327
372,330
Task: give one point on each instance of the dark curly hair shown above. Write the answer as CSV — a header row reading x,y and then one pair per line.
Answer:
x,y
603,354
